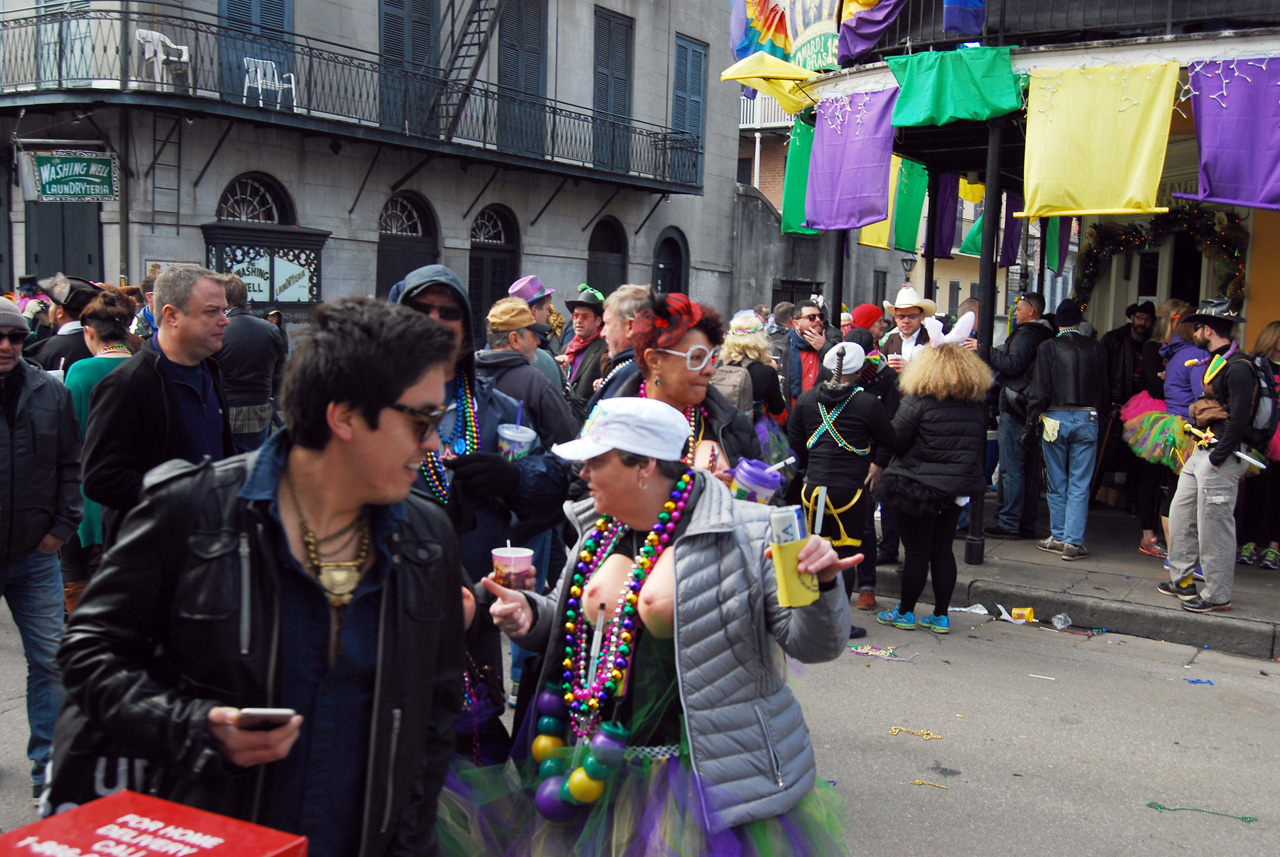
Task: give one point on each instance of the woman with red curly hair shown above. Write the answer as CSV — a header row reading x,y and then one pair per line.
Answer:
x,y
677,346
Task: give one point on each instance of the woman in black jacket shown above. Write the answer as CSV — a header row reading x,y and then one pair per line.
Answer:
x,y
941,430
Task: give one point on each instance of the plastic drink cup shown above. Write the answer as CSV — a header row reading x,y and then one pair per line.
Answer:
x,y
752,480
515,441
58,373
1026,613
513,568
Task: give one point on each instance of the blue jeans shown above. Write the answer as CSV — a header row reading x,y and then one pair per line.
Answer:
x,y
33,590
1069,461
1019,483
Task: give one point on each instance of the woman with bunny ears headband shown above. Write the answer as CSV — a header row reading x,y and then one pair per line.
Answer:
x,y
941,434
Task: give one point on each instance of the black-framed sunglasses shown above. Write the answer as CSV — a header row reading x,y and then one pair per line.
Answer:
x,y
810,317
425,421
15,337
443,312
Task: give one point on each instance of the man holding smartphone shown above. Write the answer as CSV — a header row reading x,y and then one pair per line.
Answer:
x,y
303,577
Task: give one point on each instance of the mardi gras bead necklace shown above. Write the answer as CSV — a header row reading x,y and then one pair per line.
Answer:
x,y
697,417
463,440
829,426
118,348
587,690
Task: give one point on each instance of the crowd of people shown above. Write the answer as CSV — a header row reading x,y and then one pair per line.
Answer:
x,y
208,517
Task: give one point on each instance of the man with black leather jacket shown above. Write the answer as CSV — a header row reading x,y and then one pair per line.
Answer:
x,y
303,576
1068,390
1019,468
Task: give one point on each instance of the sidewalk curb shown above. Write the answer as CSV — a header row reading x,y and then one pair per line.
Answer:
x,y
1216,632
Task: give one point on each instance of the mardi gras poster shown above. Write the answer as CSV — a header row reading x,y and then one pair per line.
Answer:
x,y
812,25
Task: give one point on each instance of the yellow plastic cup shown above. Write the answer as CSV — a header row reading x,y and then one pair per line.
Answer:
x,y
1027,613
794,589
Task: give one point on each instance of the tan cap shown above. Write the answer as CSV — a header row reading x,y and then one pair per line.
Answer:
x,y
510,314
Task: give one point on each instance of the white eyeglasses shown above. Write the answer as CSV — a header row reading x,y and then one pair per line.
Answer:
x,y
696,358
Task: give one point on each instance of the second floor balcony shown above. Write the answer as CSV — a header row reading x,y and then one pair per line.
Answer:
x,y
80,55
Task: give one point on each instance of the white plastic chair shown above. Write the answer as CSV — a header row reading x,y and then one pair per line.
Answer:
x,y
160,52
263,75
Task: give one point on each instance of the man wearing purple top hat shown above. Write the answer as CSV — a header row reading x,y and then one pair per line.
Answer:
x,y
538,297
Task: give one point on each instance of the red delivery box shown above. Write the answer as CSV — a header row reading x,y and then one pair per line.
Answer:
x,y
127,824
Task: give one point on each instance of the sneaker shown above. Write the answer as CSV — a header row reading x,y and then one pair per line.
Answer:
x,y
1270,559
1199,605
995,531
905,621
936,624
1050,544
1197,572
867,600
1070,552
1248,554
1152,547
1184,590
857,633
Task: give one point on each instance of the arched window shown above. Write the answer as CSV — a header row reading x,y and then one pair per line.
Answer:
x,y
671,262
495,260
607,255
407,239
255,198
256,237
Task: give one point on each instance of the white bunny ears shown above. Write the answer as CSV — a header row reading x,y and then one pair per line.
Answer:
x,y
962,331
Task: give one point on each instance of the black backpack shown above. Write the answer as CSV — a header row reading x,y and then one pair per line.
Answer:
x,y
1265,415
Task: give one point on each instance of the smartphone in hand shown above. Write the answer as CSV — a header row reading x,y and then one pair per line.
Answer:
x,y
264,719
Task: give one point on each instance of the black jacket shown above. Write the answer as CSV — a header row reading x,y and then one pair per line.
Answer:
x,y
1070,375
590,368
1233,388
60,350
134,426
725,424
183,615
251,359
1122,356
864,423
1013,361
942,444
544,406
39,461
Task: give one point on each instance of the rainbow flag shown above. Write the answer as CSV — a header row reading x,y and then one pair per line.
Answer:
x,y
759,25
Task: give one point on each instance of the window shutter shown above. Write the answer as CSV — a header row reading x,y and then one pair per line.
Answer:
x,y
680,90
421,20
509,46
394,27
272,15
620,67
601,83
239,12
532,40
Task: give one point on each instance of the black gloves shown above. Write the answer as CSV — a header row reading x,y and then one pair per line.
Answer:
x,y
483,475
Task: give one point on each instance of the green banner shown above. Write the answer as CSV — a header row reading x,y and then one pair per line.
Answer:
x,y
913,182
795,184
69,175
972,244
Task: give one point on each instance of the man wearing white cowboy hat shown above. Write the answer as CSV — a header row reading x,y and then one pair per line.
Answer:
x,y
909,311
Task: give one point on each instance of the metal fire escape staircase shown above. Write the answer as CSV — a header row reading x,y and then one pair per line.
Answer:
x,y
465,47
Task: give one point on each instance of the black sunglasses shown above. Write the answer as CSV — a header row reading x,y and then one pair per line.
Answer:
x,y
425,421
442,311
15,337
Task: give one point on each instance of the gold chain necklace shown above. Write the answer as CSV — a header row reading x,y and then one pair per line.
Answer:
x,y
337,579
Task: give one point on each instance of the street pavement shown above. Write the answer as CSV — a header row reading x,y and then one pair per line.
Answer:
x,y
1113,588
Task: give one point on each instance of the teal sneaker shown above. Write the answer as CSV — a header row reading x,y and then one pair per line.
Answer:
x,y
936,624
905,621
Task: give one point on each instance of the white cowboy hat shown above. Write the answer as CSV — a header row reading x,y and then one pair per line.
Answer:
x,y
909,297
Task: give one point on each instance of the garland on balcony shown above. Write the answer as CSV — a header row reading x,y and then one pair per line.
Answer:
x,y
1218,235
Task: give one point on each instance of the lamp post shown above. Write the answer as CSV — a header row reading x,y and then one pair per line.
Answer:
x,y
908,264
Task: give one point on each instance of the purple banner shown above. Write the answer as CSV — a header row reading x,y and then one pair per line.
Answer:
x,y
859,33
1012,231
1238,130
849,168
944,230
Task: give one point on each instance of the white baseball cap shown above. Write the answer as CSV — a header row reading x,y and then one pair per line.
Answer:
x,y
640,426
854,357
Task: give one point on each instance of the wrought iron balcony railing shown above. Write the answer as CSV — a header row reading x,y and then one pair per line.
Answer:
x,y
1042,22
292,77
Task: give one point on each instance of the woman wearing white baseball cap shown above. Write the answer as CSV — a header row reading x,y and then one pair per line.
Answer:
x,y
664,647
